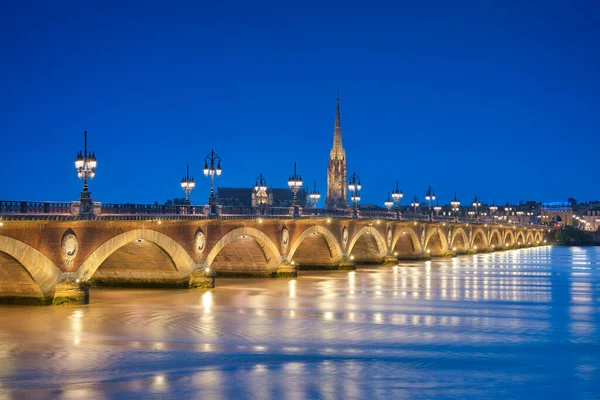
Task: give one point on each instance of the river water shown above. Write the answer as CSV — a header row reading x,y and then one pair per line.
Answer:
x,y
517,324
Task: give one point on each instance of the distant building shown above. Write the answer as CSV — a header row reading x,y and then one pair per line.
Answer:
x,y
592,220
246,197
558,212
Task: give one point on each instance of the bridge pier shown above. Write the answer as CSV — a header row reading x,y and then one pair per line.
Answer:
x,y
342,265
71,292
202,279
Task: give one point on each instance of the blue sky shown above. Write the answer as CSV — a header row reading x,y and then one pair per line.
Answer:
x,y
498,99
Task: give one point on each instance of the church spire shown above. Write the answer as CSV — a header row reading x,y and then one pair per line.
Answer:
x,y
336,172
337,131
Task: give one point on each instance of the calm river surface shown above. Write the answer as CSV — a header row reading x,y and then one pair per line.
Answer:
x,y
518,324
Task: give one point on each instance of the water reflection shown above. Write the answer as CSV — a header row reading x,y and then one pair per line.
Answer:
x,y
461,327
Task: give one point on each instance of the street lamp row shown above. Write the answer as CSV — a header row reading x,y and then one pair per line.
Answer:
x,y
86,163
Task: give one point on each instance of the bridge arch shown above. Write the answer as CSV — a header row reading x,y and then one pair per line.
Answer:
x,y
269,250
44,272
182,261
539,236
520,237
371,241
529,239
509,237
495,238
435,240
459,239
333,246
406,239
479,238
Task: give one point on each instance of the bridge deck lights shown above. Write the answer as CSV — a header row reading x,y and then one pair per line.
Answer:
x,y
430,196
355,186
85,163
396,197
187,184
314,196
388,203
295,183
476,204
210,170
260,192
415,205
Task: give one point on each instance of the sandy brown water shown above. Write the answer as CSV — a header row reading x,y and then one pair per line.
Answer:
x,y
517,324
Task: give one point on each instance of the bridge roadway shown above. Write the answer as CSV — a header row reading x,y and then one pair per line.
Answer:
x,y
50,257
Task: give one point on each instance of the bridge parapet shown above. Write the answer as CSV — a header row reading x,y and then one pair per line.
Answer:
x,y
35,210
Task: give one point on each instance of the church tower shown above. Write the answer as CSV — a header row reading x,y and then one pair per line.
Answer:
x,y
336,172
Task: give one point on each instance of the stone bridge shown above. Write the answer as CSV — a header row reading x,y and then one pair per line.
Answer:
x,y
45,259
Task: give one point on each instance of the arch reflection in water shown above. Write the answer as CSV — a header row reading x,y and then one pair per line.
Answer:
x,y
311,338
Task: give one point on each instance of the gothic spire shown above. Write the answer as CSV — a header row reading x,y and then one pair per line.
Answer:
x,y
337,131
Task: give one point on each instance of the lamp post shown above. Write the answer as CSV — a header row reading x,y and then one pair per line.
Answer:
x,y
295,183
260,193
430,196
530,217
355,187
314,196
187,184
85,163
388,203
493,209
437,209
520,215
507,210
476,204
455,207
415,205
397,196
210,170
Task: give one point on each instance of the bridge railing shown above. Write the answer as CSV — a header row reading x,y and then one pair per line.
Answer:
x,y
256,211
149,209
35,207
228,212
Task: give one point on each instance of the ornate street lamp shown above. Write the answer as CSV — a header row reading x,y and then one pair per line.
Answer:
x,y
397,196
415,205
430,196
388,203
520,215
295,183
314,196
507,211
476,204
437,209
354,186
455,207
530,217
260,192
493,209
210,170
85,163
187,184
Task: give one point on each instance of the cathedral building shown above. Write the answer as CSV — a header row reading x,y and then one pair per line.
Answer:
x,y
336,172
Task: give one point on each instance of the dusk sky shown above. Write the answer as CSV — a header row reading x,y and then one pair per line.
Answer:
x,y
499,99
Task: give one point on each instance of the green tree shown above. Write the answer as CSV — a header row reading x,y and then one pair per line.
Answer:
x,y
569,235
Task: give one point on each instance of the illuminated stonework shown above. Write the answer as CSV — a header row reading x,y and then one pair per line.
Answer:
x,y
344,237
69,246
336,172
285,240
389,237
199,242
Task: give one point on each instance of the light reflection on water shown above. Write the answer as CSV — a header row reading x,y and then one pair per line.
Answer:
x,y
517,324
